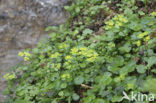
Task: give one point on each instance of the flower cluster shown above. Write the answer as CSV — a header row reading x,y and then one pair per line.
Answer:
x,y
143,36
74,50
147,38
130,85
92,57
63,45
68,65
138,43
120,78
65,76
9,76
56,66
26,55
55,55
153,13
88,53
68,57
117,21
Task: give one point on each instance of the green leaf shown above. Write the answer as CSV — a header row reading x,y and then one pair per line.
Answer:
x,y
129,67
110,36
22,101
117,99
87,31
128,11
125,48
113,69
54,101
141,12
98,100
48,28
89,99
63,85
83,65
104,80
77,10
154,70
151,61
141,68
119,61
61,93
150,85
66,7
75,97
79,80
134,25
35,50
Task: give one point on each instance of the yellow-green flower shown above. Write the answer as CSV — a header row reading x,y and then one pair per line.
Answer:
x,y
80,53
74,50
91,59
119,23
68,57
27,54
153,13
147,38
63,45
90,51
130,85
141,35
9,76
65,76
108,27
83,49
69,67
138,43
21,54
55,55
120,16
26,58
116,18
78,36
123,20
88,55
85,53
122,77
58,66
66,63
76,32
111,23
96,55
42,94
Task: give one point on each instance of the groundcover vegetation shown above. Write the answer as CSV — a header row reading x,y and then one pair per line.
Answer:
x,y
106,47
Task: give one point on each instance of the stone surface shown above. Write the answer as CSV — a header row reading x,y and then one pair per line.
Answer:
x,y
22,24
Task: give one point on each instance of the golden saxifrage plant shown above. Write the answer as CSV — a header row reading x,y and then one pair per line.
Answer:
x,y
96,56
